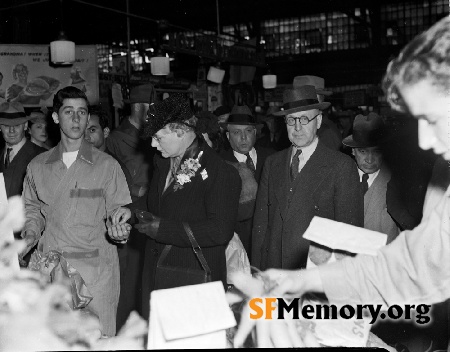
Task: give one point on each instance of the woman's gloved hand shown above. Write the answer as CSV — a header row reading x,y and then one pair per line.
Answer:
x,y
148,223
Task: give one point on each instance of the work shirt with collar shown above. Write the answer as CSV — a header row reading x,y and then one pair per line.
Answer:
x,y
371,178
70,207
71,204
306,153
242,158
15,149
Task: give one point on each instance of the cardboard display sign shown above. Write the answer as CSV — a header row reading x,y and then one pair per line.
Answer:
x,y
31,79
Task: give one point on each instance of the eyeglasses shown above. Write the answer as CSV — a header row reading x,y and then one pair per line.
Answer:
x,y
304,120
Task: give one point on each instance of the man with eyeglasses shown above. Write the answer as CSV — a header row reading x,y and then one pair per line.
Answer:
x,y
298,183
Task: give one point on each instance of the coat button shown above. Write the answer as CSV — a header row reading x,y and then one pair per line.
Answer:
x,y
316,208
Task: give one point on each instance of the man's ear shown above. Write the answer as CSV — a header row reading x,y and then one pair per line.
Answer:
x,y
353,151
55,117
228,135
319,121
25,126
106,132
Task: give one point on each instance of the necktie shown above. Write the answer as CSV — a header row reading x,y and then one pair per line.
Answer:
x,y
364,183
7,161
295,164
249,163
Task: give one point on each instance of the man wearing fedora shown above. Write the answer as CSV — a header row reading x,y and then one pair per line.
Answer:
x,y
241,133
136,154
18,151
368,133
125,144
298,183
328,133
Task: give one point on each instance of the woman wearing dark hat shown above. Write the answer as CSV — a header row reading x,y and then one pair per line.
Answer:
x,y
191,185
37,129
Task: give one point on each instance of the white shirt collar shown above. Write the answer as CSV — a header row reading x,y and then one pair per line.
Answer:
x,y
242,157
16,148
306,151
371,178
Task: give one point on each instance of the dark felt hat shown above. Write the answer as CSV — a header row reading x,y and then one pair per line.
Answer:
x,y
12,114
141,94
368,131
240,115
222,110
173,109
302,98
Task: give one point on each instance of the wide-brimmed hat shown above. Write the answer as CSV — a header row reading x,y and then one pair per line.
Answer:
x,y
37,117
317,82
368,131
302,98
173,109
240,115
143,93
12,114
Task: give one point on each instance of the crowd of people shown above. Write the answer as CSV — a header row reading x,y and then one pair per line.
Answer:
x,y
168,188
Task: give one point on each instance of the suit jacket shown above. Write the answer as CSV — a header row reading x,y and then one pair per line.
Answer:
x,y
208,205
244,224
327,186
15,173
376,216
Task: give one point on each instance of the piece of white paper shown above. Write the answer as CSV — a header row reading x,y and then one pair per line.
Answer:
x,y
6,231
193,316
341,236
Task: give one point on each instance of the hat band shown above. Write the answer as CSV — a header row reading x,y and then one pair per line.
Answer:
x,y
240,118
11,116
300,103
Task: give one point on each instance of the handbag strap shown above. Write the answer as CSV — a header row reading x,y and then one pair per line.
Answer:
x,y
197,250
195,247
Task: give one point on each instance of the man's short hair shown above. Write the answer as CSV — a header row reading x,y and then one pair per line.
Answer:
x,y
69,92
103,118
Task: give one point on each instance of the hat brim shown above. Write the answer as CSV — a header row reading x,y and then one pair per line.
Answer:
x,y
13,122
350,142
323,92
320,106
225,124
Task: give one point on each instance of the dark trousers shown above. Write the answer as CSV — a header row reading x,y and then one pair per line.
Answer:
x,y
131,260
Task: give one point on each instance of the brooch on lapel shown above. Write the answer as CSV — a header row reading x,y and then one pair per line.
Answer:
x,y
187,171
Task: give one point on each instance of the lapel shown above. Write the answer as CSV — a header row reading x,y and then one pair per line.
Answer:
x,y
163,169
192,152
259,164
2,160
309,179
372,193
17,159
282,183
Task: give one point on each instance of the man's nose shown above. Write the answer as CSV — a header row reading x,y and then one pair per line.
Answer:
x,y
12,129
426,135
298,125
369,158
154,143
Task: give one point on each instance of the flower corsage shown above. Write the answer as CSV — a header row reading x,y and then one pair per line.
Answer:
x,y
187,171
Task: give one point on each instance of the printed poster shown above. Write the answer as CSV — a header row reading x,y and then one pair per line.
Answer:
x,y
27,75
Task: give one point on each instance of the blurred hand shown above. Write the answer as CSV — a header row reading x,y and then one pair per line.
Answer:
x,y
30,241
148,223
120,216
294,283
120,232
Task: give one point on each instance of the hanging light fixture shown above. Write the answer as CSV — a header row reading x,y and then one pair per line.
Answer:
x,y
269,80
160,64
62,50
215,74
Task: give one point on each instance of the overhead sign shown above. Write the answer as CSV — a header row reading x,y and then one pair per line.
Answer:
x,y
213,48
28,77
